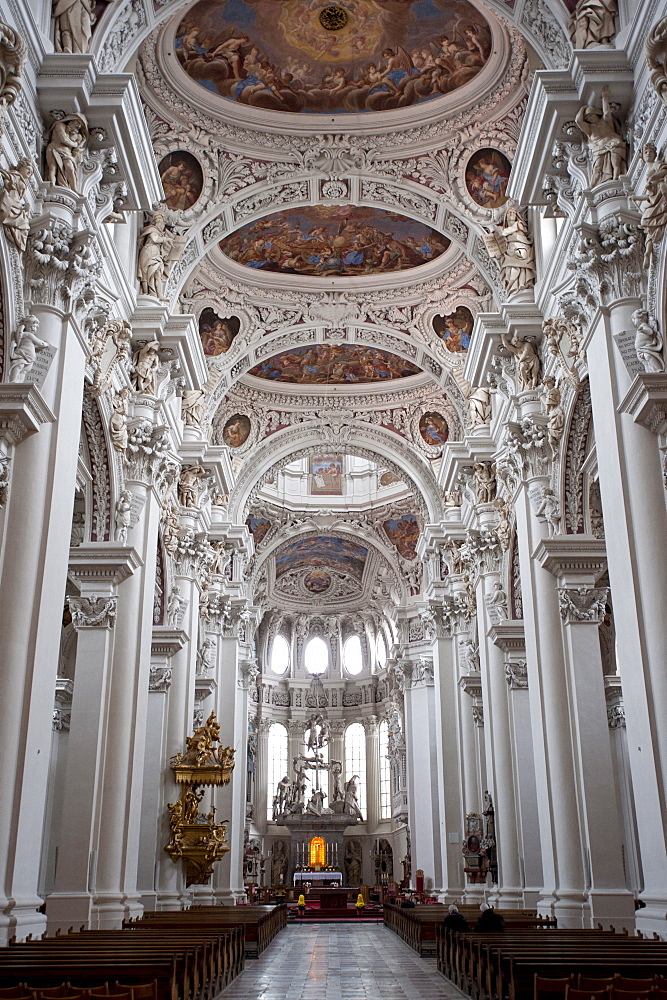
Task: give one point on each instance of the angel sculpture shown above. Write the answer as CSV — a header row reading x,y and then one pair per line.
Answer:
x,y
510,244
654,213
656,56
648,341
14,207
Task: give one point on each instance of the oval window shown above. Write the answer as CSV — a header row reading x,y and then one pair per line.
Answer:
x,y
316,656
354,660
279,655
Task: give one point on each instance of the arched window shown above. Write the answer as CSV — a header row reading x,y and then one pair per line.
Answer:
x,y
316,656
355,761
318,852
353,656
279,655
385,772
380,651
277,761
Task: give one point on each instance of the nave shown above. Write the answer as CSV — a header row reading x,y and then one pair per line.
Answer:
x,y
336,961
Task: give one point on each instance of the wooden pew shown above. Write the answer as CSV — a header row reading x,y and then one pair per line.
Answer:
x,y
261,923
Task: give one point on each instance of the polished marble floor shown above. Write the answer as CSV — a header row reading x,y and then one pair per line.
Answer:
x,y
340,962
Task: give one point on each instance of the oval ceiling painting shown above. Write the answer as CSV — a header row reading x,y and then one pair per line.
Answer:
x,y
317,581
182,180
455,329
323,56
326,364
217,333
334,241
236,430
487,177
433,429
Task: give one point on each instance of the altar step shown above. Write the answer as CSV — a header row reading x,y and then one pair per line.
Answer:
x,y
331,916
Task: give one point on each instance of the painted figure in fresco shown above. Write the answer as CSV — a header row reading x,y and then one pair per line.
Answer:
x,y
334,241
455,329
433,428
487,177
280,57
326,364
182,180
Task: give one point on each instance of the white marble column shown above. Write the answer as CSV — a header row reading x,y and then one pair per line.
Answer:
x,y
485,550
263,794
426,825
116,894
34,566
563,893
237,672
99,568
171,888
577,562
633,502
166,641
509,637
370,724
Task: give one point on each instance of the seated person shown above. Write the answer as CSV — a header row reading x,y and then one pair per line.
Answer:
x,y
455,921
408,903
490,921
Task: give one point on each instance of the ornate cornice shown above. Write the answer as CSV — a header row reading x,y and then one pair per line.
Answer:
x,y
22,411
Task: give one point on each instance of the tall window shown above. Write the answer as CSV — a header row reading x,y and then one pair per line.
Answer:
x,y
355,761
279,655
277,763
353,656
316,656
385,772
380,651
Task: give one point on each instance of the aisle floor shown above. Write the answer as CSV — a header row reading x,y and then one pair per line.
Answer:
x,y
340,962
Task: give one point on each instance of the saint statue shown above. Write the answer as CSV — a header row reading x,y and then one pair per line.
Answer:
x,y
14,208
607,148
74,20
64,154
593,23
654,213
510,244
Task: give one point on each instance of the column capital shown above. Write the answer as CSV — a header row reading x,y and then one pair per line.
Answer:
x,y
371,725
103,563
471,684
646,401
22,411
582,604
93,612
167,641
614,697
575,560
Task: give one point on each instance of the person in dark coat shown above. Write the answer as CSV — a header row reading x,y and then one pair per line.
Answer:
x,y
408,904
455,921
490,922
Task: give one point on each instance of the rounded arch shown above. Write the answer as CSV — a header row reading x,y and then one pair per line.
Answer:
x,y
355,438
545,26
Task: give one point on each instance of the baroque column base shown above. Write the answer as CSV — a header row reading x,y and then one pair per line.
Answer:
x,y
614,907
474,894
507,898
228,897
652,919
68,909
18,918
110,909
168,900
571,908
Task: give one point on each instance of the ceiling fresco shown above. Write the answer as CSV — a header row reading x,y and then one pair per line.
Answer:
x,y
334,240
403,532
341,554
327,56
329,364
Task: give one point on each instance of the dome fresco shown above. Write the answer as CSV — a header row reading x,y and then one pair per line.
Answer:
x,y
341,554
322,56
324,364
334,241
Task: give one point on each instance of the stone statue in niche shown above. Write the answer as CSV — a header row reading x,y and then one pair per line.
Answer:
x,y
593,23
607,148
527,361
353,857
206,657
158,249
654,212
188,485
503,523
118,420
510,244
64,154
648,341
479,406
496,602
123,516
485,481
145,364
24,350
176,606
14,208
551,400
278,863
74,20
